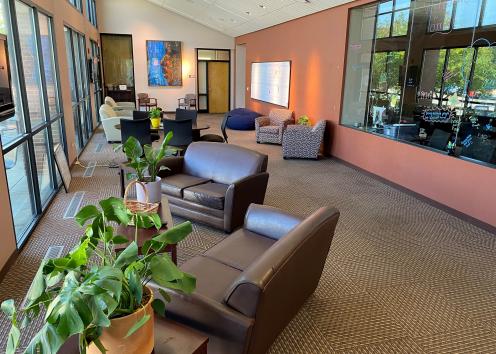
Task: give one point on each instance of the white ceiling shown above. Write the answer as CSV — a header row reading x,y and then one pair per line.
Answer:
x,y
237,17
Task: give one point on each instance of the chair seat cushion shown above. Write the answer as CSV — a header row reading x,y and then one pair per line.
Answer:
x,y
270,129
240,249
208,194
212,278
175,184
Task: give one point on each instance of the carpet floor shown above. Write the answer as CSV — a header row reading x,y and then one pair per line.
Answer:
x,y
402,276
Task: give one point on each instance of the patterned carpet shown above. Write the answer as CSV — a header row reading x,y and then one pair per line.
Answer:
x,y
402,276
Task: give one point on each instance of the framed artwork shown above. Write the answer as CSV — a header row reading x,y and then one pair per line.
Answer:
x,y
164,62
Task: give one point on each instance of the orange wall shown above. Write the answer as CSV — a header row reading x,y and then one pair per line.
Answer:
x,y
316,46
63,14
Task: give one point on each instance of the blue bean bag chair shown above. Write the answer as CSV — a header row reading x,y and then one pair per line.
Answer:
x,y
242,119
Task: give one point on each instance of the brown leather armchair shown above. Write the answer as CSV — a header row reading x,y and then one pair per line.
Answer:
x,y
251,284
215,183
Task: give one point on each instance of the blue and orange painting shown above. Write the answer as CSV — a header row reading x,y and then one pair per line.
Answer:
x,y
164,63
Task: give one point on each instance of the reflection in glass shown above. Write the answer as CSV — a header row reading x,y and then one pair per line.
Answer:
x,y
431,83
42,160
29,54
383,26
489,17
20,188
400,23
49,63
467,13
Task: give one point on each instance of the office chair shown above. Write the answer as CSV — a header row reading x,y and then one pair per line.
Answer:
x,y
140,129
185,114
214,138
142,115
182,132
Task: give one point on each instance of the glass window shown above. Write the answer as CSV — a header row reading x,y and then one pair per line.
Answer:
x,y
29,54
22,202
489,17
77,4
467,13
49,64
43,165
435,90
440,16
29,163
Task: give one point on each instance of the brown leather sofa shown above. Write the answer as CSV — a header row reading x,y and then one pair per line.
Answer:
x,y
215,183
250,285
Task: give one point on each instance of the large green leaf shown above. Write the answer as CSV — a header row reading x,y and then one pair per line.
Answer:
x,y
46,341
13,340
128,256
115,210
138,325
38,286
175,234
159,307
164,270
87,213
132,148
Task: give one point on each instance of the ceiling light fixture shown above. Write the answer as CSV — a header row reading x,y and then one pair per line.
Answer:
x,y
262,6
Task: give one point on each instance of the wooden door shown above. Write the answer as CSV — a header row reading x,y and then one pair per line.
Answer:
x,y
218,87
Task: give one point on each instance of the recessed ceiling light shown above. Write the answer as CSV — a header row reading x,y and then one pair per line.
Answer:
x,y
262,6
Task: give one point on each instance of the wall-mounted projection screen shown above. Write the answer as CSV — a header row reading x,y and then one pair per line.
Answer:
x,y
270,82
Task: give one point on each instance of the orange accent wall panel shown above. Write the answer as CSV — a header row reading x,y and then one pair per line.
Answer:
x,y
316,46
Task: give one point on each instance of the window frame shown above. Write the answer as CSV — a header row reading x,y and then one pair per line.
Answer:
x,y
29,131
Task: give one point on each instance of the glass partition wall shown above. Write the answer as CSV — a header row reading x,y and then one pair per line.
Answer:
x,y
80,89
28,138
424,72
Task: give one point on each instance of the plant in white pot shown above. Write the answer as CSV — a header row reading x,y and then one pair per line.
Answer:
x,y
100,295
144,160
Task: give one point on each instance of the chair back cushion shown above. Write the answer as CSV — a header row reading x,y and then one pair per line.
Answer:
x,y
269,222
110,101
182,114
279,115
143,98
222,163
182,131
190,97
140,129
106,111
140,115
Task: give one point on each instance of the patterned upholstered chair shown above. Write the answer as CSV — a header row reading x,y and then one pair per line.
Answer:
x,y
302,141
269,129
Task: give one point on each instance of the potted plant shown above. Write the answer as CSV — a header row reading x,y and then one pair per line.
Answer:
x,y
144,160
155,115
304,120
100,295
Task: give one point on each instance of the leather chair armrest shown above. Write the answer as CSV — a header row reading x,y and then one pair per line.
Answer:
x,y
174,165
208,315
240,195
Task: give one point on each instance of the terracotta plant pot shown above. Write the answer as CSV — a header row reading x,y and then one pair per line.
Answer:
x,y
155,122
140,342
154,191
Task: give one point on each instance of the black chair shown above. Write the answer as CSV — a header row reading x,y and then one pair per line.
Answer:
x,y
214,138
144,115
140,129
140,115
182,132
439,139
185,114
